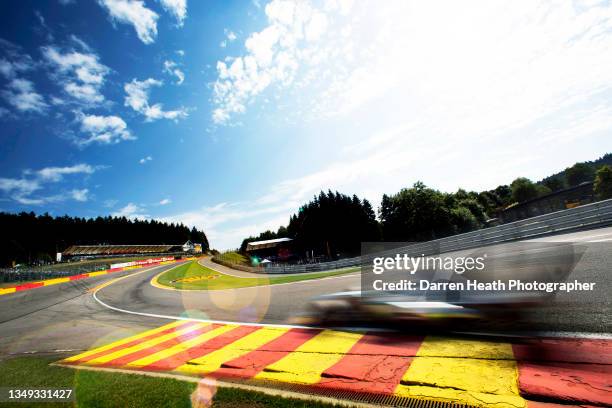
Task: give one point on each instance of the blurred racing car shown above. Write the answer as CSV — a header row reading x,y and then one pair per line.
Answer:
x,y
452,310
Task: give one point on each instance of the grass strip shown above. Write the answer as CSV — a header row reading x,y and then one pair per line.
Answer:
x,y
101,389
194,276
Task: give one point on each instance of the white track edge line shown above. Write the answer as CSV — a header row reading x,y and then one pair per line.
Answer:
x,y
193,319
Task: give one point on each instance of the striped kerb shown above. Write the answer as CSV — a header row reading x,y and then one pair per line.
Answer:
x,y
577,370
238,348
306,364
127,342
250,364
466,370
123,351
459,370
375,364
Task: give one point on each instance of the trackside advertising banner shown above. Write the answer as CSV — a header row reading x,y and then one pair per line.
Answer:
x,y
142,262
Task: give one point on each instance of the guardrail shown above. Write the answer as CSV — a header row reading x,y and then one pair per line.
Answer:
x,y
589,216
62,270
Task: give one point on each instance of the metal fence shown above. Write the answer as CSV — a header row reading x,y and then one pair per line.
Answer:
x,y
585,217
29,273
41,272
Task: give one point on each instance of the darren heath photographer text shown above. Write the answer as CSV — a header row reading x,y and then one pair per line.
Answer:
x,y
458,265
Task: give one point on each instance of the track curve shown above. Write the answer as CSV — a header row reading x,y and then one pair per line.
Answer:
x,y
68,317
276,304
273,304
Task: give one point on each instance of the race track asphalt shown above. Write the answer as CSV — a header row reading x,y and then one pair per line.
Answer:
x,y
69,317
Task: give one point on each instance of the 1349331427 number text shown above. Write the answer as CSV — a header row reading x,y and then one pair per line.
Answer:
x,y
35,394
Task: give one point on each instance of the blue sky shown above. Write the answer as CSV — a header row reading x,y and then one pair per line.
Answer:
x,y
228,115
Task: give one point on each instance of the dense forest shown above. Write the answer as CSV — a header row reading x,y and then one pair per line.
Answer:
x,y
30,238
335,224
332,223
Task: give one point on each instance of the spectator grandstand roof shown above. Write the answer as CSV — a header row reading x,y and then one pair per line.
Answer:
x,y
76,250
270,243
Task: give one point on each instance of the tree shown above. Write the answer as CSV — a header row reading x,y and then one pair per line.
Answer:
x,y
464,220
488,201
523,189
554,183
579,173
543,190
504,194
474,207
333,223
603,182
282,232
420,213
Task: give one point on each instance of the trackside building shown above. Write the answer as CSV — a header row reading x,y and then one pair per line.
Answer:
x,y
279,249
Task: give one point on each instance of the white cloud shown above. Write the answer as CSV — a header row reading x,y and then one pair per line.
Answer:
x,y
31,201
135,13
383,163
132,211
12,60
10,68
81,74
227,224
43,28
86,93
22,189
274,56
165,201
178,8
21,94
145,159
338,57
80,43
171,68
57,173
19,186
419,89
80,195
57,101
138,99
103,129
230,36
110,203
180,53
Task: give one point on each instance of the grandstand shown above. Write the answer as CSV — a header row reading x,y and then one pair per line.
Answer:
x,y
105,250
77,259
279,249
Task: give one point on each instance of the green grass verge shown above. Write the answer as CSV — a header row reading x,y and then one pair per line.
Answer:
x,y
107,389
212,280
235,258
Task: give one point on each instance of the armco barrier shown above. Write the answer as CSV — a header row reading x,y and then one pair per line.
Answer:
x,y
588,216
